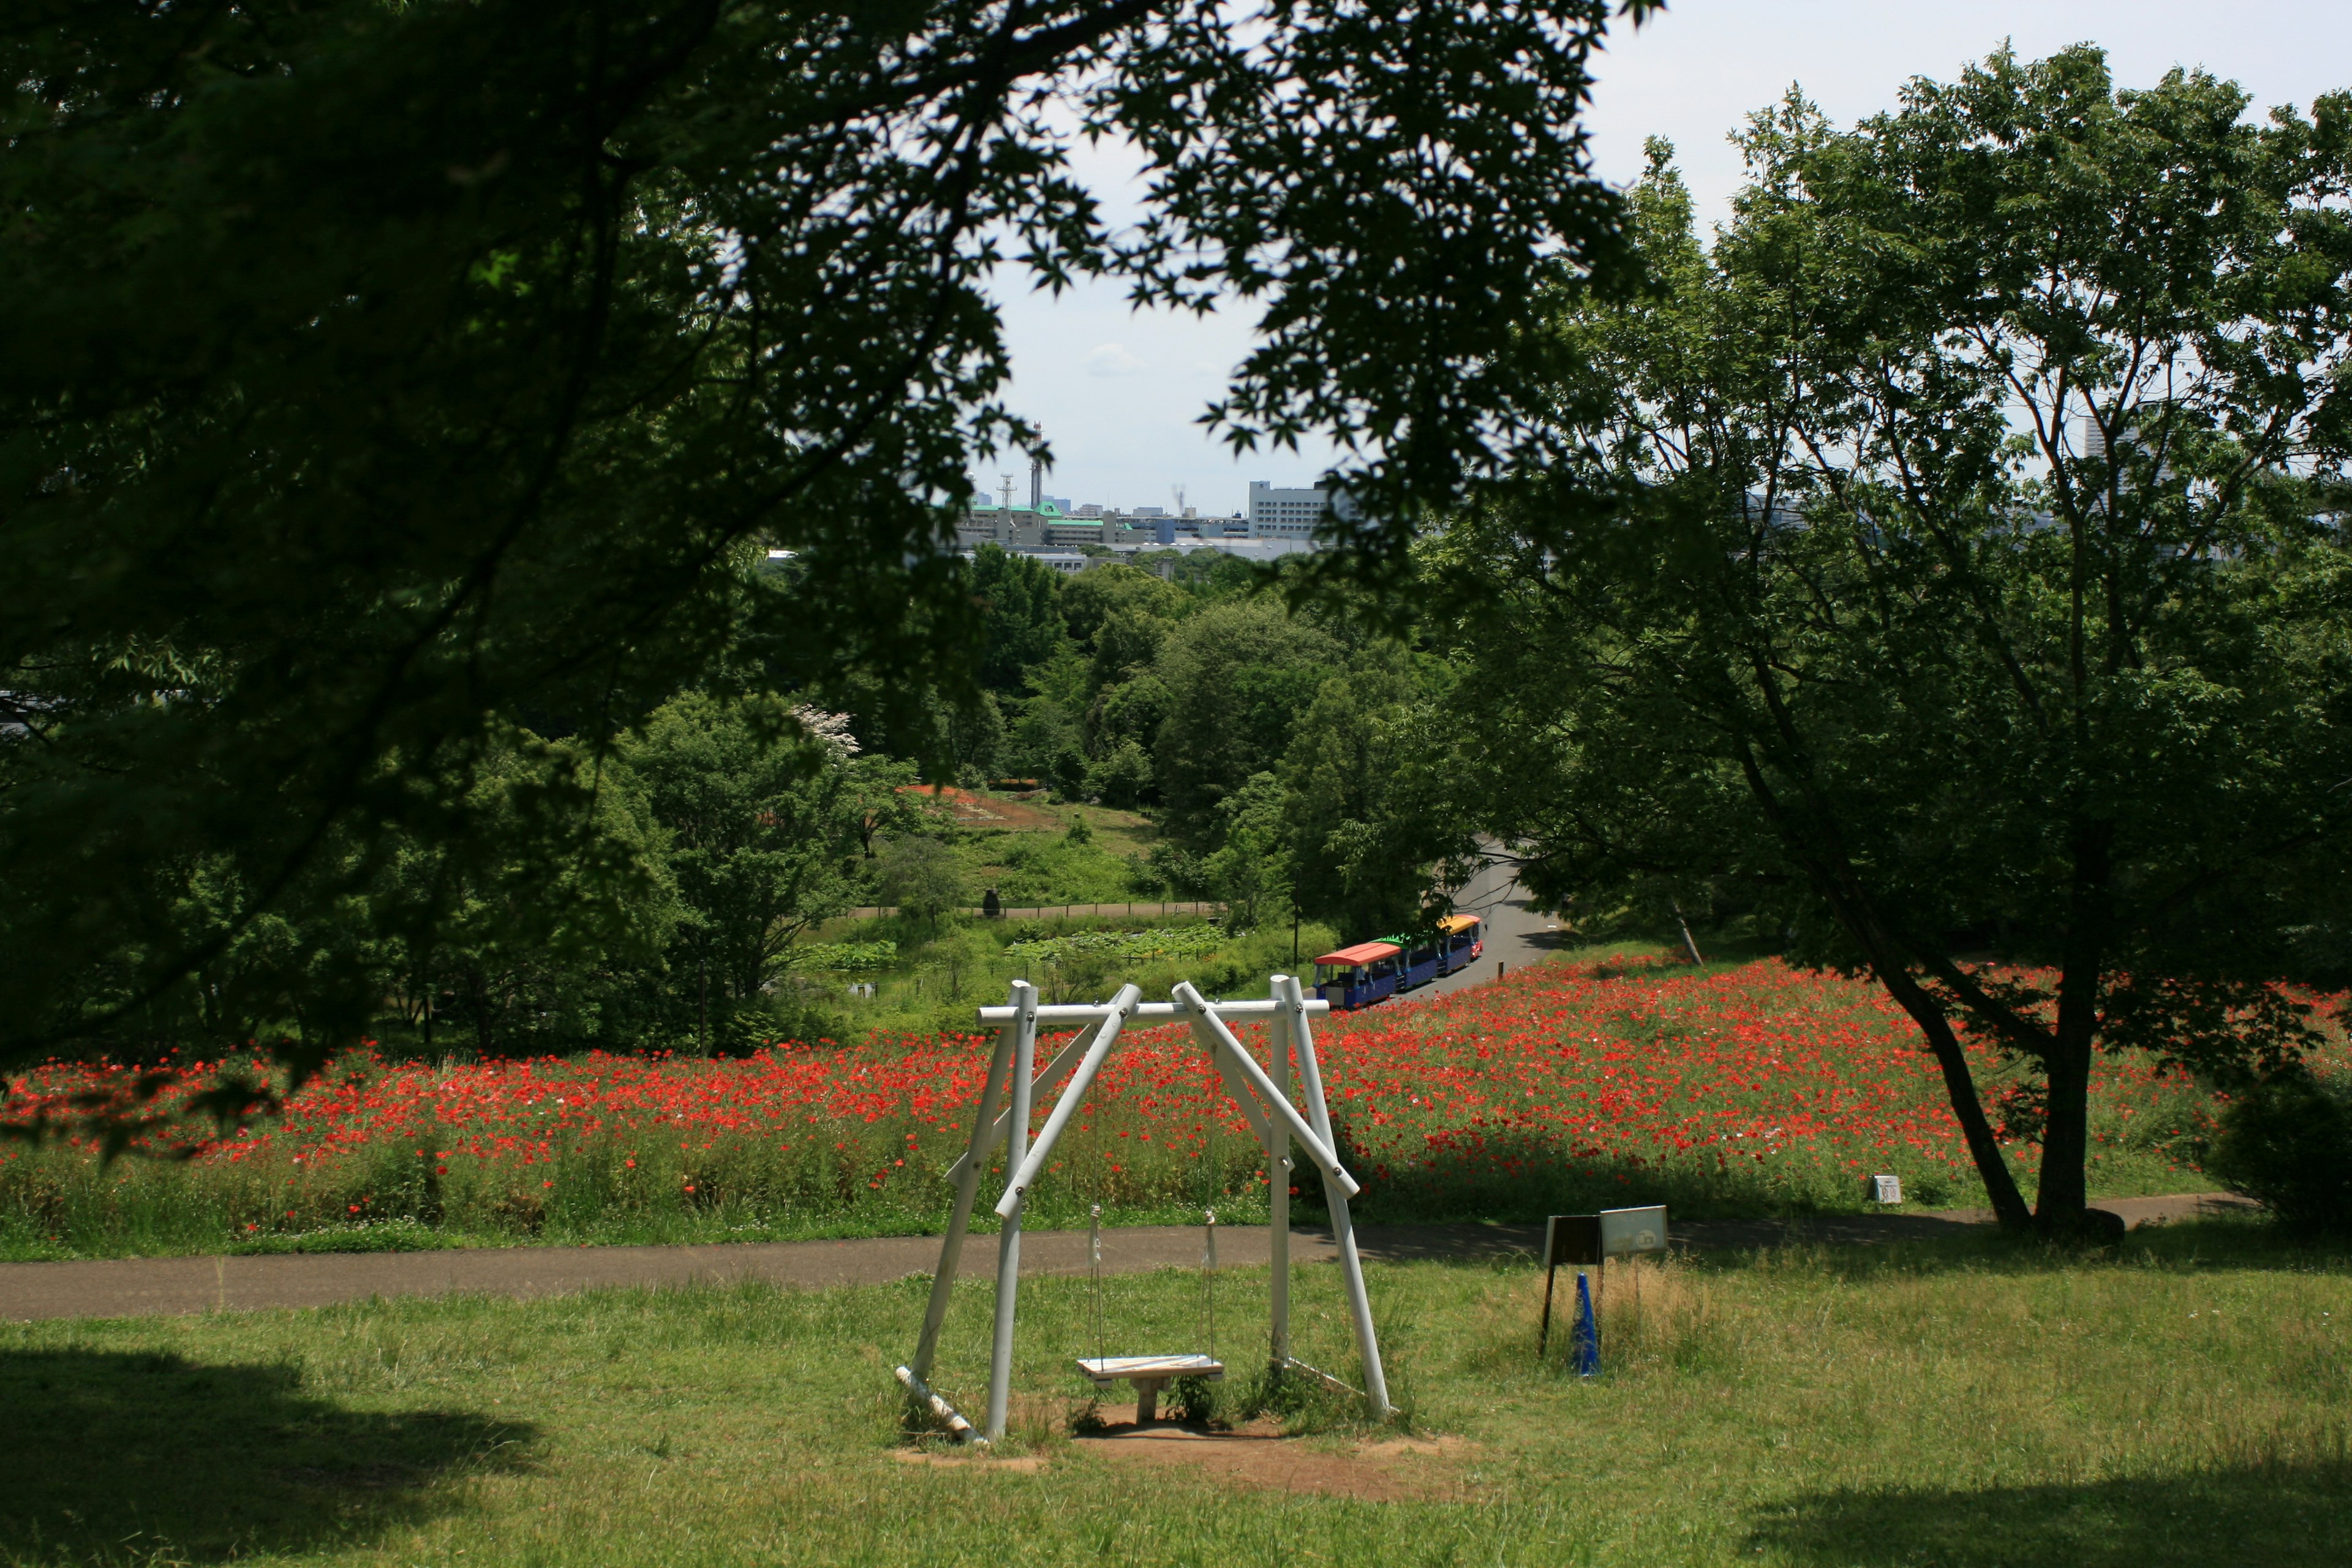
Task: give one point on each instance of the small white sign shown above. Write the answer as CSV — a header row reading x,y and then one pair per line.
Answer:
x,y
1883,1189
1624,1232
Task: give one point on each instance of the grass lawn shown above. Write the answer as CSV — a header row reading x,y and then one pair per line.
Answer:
x,y
2182,1401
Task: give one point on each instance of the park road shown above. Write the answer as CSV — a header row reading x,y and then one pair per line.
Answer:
x,y
1517,935
174,1286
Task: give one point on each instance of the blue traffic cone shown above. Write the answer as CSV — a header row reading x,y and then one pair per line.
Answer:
x,y
1587,1354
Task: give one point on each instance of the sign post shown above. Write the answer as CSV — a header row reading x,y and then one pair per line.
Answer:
x,y
1567,1239
1590,1240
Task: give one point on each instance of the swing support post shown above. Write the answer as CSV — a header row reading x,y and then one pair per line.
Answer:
x,y
1343,1226
1277,1183
1263,1095
1008,1240
1017,1189
967,1180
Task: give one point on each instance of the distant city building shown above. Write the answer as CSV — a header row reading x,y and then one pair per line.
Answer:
x,y
1276,513
1285,513
1030,530
1279,522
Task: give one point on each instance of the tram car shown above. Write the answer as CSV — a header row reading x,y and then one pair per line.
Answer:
x,y
1460,939
1418,959
1358,976
1369,972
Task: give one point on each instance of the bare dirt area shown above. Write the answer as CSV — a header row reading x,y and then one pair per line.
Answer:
x,y
1020,1464
971,810
1395,1470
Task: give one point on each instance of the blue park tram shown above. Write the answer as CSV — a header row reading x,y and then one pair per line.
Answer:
x,y
1418,966
1460,939
1358,976
1369,972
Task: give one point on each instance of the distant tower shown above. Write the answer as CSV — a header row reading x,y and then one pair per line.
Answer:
x,y
1008,491
1036,484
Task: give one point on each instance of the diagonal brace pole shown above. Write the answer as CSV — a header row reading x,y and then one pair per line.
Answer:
x,y
1214,1035
982,1145
965,1173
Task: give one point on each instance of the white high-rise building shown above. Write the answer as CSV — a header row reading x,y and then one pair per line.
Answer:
x,y
1285,513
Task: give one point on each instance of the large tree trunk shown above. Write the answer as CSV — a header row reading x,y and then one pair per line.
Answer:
x,y
1840,887
1960,1088
2065,1138
2066,1135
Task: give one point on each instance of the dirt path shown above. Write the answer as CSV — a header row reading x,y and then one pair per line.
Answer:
x,y
1140,909
137,1287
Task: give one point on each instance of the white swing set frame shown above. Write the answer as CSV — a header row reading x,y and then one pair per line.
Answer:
x,y
1263,1093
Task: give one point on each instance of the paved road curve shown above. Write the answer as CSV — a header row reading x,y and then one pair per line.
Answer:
x,y
1517,935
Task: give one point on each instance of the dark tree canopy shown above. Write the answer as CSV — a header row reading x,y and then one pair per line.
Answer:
x,y
375,375
1960,570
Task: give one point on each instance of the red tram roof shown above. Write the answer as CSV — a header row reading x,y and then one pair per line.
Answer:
x,y
1362,952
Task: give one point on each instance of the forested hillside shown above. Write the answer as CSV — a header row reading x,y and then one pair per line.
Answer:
x,y
1132,737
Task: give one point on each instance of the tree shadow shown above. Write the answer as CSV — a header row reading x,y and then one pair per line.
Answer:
x,y
126,1455
2279,1516
1883,1246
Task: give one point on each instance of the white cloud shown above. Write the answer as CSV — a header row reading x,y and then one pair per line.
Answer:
x,y
1112,359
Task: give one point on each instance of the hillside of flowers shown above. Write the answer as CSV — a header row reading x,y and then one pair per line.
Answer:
x,y
1737,1090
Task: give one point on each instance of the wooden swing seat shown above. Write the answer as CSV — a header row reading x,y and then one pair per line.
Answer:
x,y
1149,1375
1158,1368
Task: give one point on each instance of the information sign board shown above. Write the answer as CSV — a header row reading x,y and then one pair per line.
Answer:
x,y
1627,1232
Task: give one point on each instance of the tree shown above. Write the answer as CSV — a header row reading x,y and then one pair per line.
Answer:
x,y
765,837
920,876
1021,599
1238,675
1122,776
1952,575
380,376
1376,836
529,934
1102,591
1251,868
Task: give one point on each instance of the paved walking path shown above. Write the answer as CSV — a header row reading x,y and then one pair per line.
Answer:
x,y
137,1287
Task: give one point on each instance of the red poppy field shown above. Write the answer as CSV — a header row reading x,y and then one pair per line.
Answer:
x,y
1737,1090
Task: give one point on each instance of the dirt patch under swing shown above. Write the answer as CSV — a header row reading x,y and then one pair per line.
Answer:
x,y
1393,1469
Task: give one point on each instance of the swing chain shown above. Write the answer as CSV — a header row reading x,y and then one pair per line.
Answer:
x,y
1094,1252
1209,1278
1209,1235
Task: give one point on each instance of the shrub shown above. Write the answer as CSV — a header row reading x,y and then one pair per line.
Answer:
x,y
2287,1144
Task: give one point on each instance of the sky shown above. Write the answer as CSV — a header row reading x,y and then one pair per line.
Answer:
x,y
1119,393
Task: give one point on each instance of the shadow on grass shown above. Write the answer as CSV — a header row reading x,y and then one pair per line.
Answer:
x,y
2217,1242
1886,1245
2280,1517
113,1456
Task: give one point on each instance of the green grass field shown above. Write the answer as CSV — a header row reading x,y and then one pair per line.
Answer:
x,y
2182,1401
